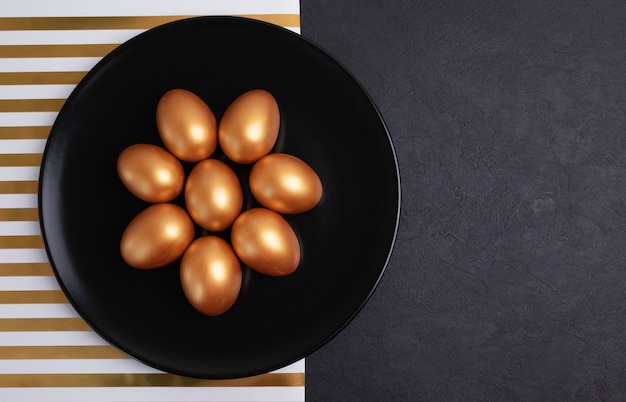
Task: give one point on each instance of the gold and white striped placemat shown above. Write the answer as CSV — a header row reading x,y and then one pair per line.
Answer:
x,y
47,352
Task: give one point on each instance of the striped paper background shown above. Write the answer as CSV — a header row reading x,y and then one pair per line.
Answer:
x,y
47,352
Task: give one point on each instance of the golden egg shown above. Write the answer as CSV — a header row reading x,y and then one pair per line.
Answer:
x,y
150,173
213,195
186,125
285,184
249,127
157,236
210,274
265,242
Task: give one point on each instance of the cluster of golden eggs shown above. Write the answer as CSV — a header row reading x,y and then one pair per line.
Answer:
x,y
261,238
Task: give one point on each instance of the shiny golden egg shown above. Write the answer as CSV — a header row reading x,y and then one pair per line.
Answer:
x,y
285,184
249,128
213,195
210,275
265,242
150,173
157,236
186,125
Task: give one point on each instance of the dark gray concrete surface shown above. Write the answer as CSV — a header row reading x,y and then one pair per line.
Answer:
x,y
508,279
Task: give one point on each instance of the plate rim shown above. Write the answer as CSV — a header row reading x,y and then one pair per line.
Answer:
x,y
123,48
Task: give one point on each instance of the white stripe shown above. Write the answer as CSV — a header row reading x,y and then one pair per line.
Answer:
x,y
51,338
28,283
39,310
101,366
17,201
35,91
22,146
70,8
19,173
21,119
37,64
69,366
23,255
154,394
17,228
68,37
297,367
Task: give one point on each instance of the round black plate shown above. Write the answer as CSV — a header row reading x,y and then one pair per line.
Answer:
x,y
327,120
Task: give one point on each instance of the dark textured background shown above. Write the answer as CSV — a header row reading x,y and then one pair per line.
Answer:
x,y
508,279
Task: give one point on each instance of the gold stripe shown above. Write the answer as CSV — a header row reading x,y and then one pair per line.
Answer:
x,y
20,160
26,269
284,20
32,296
18,187
146,380
77,23
31,105
42,324
146,22
21,242
91,50
37,78
25,133
19,214
61,352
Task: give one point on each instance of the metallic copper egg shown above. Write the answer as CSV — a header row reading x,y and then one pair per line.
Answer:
x,y
186,125
213,195
157,236
265,242
210,275
285,184
249,128
150,173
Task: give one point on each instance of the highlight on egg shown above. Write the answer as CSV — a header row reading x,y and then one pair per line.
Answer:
x,y
157,236
210,275
265,242
249,127
186,125
213,195
285,184
150,173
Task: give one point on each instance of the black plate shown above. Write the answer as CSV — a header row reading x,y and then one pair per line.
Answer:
x,y
327,120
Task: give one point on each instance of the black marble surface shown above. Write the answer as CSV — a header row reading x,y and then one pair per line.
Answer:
x,y
508,279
